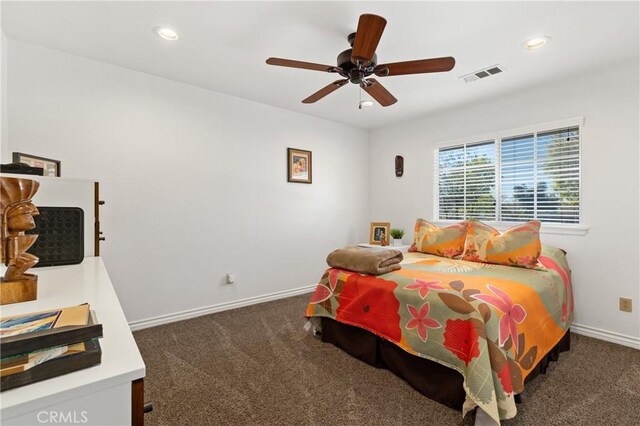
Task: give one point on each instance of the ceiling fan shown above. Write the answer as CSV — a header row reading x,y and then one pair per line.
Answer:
x,y
359,62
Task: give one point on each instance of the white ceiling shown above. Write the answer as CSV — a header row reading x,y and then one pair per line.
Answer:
x,y
223,46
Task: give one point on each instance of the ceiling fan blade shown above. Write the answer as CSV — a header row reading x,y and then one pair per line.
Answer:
x,y
304,65
378,92
419,66
370,28
325,91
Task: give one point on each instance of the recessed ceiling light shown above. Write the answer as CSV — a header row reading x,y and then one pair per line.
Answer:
x,y
166,33
536,42
366,103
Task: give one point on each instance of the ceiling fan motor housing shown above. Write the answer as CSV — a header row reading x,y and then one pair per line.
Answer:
x,y
351,71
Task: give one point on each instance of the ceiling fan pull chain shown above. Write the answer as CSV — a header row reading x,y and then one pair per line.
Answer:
x,y
360,98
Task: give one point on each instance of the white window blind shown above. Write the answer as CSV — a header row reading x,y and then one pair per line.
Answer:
x,y
466,181
512,179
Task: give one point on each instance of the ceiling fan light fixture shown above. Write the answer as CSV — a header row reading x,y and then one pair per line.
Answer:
x,y
166,33
536,42
357,64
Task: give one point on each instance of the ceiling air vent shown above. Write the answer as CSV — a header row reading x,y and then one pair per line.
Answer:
x,y
483,73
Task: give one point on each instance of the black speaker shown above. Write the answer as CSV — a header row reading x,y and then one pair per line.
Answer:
x,y
60,236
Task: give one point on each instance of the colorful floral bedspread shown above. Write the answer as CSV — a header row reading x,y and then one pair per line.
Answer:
x,y
491,323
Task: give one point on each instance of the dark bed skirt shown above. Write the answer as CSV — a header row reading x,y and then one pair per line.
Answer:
x,y
433,380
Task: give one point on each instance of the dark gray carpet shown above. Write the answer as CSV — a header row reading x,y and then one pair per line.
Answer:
x,y
257,366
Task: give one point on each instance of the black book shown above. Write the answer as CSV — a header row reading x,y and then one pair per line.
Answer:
x,y
92,355
42,330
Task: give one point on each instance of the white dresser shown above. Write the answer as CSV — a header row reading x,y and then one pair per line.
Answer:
x,y
108,394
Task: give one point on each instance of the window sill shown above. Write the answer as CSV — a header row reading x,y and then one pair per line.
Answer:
x,y
546,228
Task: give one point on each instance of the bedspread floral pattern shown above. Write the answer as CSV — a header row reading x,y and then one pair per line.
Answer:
x,y
461,338
513,314
424,286
492,323
420,320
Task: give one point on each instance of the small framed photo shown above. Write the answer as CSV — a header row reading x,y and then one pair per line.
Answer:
x,y
298,165
51,167
379,233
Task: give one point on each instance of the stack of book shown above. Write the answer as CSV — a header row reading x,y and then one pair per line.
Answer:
x,y
42,345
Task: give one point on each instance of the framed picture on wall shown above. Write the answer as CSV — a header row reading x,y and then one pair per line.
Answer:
x,y
379,233
50,167
298,165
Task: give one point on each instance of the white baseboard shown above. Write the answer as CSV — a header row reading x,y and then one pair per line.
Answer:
x,y
609,336
206,310
585,330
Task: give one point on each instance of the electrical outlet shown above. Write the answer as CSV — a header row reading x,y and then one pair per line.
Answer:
x,y
625,304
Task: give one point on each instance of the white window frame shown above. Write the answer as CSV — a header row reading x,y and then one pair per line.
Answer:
x,y
549,228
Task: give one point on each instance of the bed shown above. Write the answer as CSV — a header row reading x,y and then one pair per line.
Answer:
x,y
466,334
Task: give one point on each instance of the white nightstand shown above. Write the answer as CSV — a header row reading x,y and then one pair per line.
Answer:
x,y
403,248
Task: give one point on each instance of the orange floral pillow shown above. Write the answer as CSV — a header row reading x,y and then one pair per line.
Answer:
x,y
518,246
446,242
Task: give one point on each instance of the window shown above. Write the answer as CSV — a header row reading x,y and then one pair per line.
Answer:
x,y
534,175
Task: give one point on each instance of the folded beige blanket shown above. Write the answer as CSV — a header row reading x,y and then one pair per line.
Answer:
x,y
365,260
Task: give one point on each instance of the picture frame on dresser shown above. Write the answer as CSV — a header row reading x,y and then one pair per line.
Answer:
x,y
50,166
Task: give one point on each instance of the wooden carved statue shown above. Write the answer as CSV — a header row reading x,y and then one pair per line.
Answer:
x,y
399,165
17,213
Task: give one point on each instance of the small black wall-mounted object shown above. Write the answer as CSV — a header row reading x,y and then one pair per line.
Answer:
x,y
399,165
60,236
